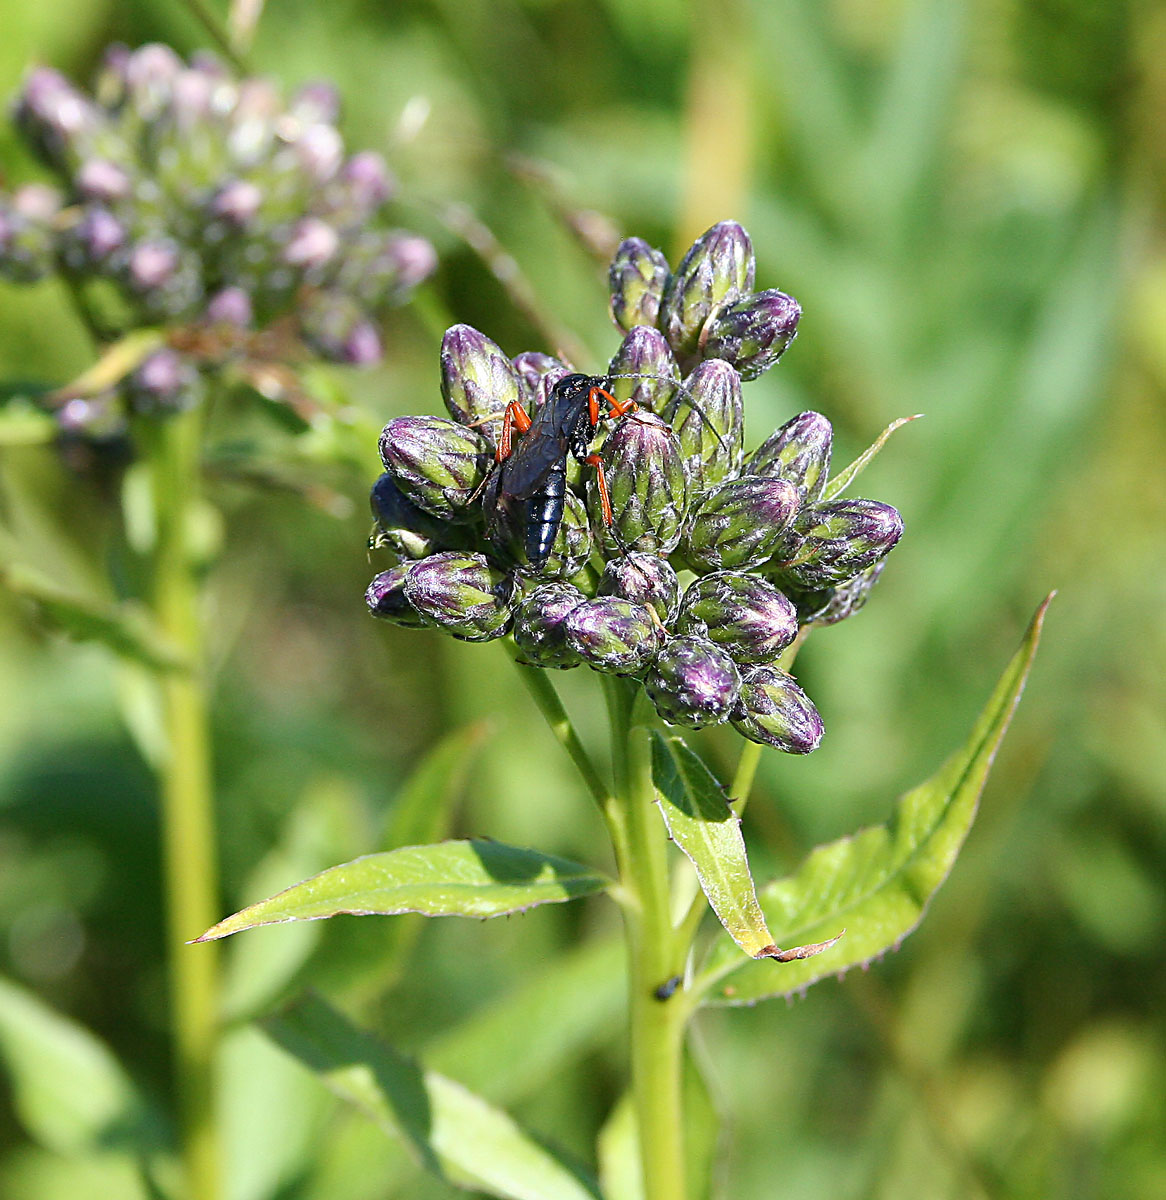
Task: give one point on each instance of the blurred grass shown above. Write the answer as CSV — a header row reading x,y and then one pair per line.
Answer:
x,y
967,198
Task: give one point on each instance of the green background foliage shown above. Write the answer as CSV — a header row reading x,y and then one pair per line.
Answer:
x,y
966,198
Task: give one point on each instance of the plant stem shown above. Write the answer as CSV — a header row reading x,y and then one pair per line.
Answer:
x,y
188,827
655,955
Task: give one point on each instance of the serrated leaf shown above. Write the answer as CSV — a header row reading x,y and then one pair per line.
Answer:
x,y
69,1091
879,882
452,1132
472,878
700,821
125,628
848,474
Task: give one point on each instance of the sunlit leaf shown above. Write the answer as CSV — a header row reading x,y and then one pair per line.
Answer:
x,y
452,1132
879,882
702,824
848,474
450,879
125,628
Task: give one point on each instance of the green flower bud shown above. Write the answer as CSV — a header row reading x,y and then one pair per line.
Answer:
x,y
754,332
800,452
477,379
540,625
637,276
645,478
839,539
644,353
709,419
693,683
718,269
744,615
740,524
437,463
462,594
774,711
386,600
643,579
572,546
613,635
828,606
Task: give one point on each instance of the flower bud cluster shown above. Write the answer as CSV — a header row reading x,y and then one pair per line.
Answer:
x,y
200,202
697,573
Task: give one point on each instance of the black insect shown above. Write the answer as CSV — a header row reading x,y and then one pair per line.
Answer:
x,y
531,478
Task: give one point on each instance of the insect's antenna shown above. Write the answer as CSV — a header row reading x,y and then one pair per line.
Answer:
x,y
696,408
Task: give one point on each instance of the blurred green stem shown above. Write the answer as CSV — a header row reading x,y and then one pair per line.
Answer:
x,y
188,829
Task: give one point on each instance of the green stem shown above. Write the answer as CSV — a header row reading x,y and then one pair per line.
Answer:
x,y
655,955
188,829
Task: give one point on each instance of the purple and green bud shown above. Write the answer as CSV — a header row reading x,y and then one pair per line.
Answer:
x,y
232,306
403,527
477,380
637,276
708,417
644,353
644,579
386,598
717,270
645,479
540,626
59,121
840,539
437,463
800,452
740,524
693,683
537,373
164,382
339,329
746,616
828,606
614,635
774,711
753,333
462,594
27,236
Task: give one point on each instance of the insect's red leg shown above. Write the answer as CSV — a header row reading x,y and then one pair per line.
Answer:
x,y
514,416
593,460
618,407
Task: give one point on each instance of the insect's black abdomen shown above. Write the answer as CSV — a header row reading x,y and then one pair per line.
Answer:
x,y
544,515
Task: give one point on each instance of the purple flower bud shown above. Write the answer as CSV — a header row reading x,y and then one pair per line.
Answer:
x,y
438,464
643,579
774,711
337,328
231,306
637,277
27,233
36,202
754,332
152,264
237,202
644,353
164,382
150,72
192,99
403,527
839,539
477,380
319,150
828,606
613,635
740,524
93,241
103,181
692,683
540,626
58,119
316,103
800,452
312,244
536,373
718,269
363,346
462,594
368,181
414,258
386,598
746,616
646,485
708,417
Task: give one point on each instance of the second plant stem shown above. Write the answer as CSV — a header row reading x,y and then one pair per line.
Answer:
x,y
188,826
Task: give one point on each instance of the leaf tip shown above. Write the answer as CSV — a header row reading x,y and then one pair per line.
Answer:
x,y
798,952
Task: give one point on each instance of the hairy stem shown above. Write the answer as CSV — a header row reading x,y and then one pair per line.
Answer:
x,y
188,826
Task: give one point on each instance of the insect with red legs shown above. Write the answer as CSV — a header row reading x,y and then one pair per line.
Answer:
x,y
531,475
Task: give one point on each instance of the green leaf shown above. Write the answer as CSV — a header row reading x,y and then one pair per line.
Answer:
x,y
879,882
21,424
847,475
126,629
452,1132
700,821
450,879
68,1089
618,1147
